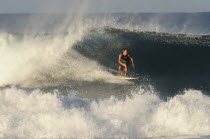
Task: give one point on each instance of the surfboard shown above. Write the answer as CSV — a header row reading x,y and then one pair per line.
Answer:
x,y
130,78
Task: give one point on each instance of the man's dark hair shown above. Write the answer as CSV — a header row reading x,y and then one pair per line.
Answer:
x,y
125,49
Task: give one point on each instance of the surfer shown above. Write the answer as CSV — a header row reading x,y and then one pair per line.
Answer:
x,y
124,59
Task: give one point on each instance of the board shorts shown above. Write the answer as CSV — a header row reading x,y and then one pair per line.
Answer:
x,y
124,62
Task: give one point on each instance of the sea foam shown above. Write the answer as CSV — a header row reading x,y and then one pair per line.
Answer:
x,y
43,115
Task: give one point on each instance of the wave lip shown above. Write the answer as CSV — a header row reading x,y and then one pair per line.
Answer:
x,y
184,23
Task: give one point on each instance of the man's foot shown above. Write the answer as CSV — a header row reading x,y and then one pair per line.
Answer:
x,y
118,74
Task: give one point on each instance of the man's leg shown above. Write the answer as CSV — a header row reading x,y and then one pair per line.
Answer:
x,y
119,70
126,70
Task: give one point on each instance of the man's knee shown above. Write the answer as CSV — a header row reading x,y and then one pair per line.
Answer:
x,y
120,68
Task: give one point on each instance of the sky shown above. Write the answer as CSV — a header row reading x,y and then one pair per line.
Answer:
x,y
103,6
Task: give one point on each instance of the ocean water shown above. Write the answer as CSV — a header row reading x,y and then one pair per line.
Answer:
x,y
58,76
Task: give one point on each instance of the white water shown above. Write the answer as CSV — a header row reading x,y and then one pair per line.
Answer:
x,y
39,115
43,61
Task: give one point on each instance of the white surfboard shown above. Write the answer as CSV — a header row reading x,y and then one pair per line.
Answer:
x,y
130,78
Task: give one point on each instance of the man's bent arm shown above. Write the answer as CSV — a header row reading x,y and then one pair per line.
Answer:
x,y
119,58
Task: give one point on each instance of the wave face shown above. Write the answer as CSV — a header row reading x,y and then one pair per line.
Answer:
x,y
58,77
172,61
